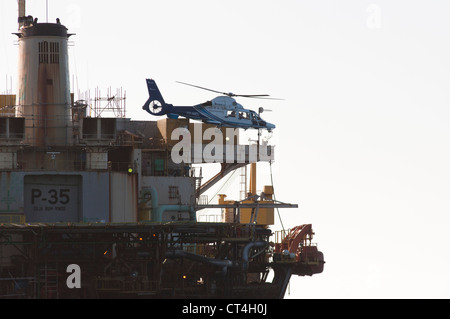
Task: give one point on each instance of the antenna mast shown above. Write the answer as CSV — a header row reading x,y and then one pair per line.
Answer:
x,y
22,13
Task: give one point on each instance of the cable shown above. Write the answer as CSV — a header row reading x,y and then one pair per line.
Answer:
x,y
273,188
223,185
279,216
220,189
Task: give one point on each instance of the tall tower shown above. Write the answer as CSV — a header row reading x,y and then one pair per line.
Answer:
x,y
43,91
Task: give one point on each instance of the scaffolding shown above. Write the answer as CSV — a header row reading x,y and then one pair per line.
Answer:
x,y
111,105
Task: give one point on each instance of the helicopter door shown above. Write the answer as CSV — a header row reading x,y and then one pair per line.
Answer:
x,y
253,117
260,121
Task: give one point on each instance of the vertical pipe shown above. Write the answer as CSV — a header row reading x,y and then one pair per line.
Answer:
x,y
246,182
252,189
22,12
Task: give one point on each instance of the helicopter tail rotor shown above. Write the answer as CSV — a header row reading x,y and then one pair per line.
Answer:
x,y
155,105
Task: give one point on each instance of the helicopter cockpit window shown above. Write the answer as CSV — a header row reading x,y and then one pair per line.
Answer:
x,y
243,115
231,114
257,117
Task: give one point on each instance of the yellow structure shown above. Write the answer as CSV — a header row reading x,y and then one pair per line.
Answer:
x,y
7,103
265,216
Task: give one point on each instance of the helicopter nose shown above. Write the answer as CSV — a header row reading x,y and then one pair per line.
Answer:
x,y
270,126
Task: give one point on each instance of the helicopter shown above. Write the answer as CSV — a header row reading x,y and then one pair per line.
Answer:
x,y
220,111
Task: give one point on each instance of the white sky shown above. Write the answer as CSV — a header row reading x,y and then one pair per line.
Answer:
x,y
362,139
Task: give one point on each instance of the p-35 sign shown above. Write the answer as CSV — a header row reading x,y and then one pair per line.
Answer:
x,y
52,199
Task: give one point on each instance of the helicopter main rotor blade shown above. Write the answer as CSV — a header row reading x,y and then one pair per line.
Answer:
x,y
261,97
253,96
199,87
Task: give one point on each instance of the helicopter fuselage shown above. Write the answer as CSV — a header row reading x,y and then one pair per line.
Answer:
x,y
221,111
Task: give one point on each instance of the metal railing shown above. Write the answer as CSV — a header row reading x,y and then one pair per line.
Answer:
x,y
12,219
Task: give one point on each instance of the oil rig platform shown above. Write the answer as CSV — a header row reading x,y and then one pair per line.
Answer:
x,y
79,186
